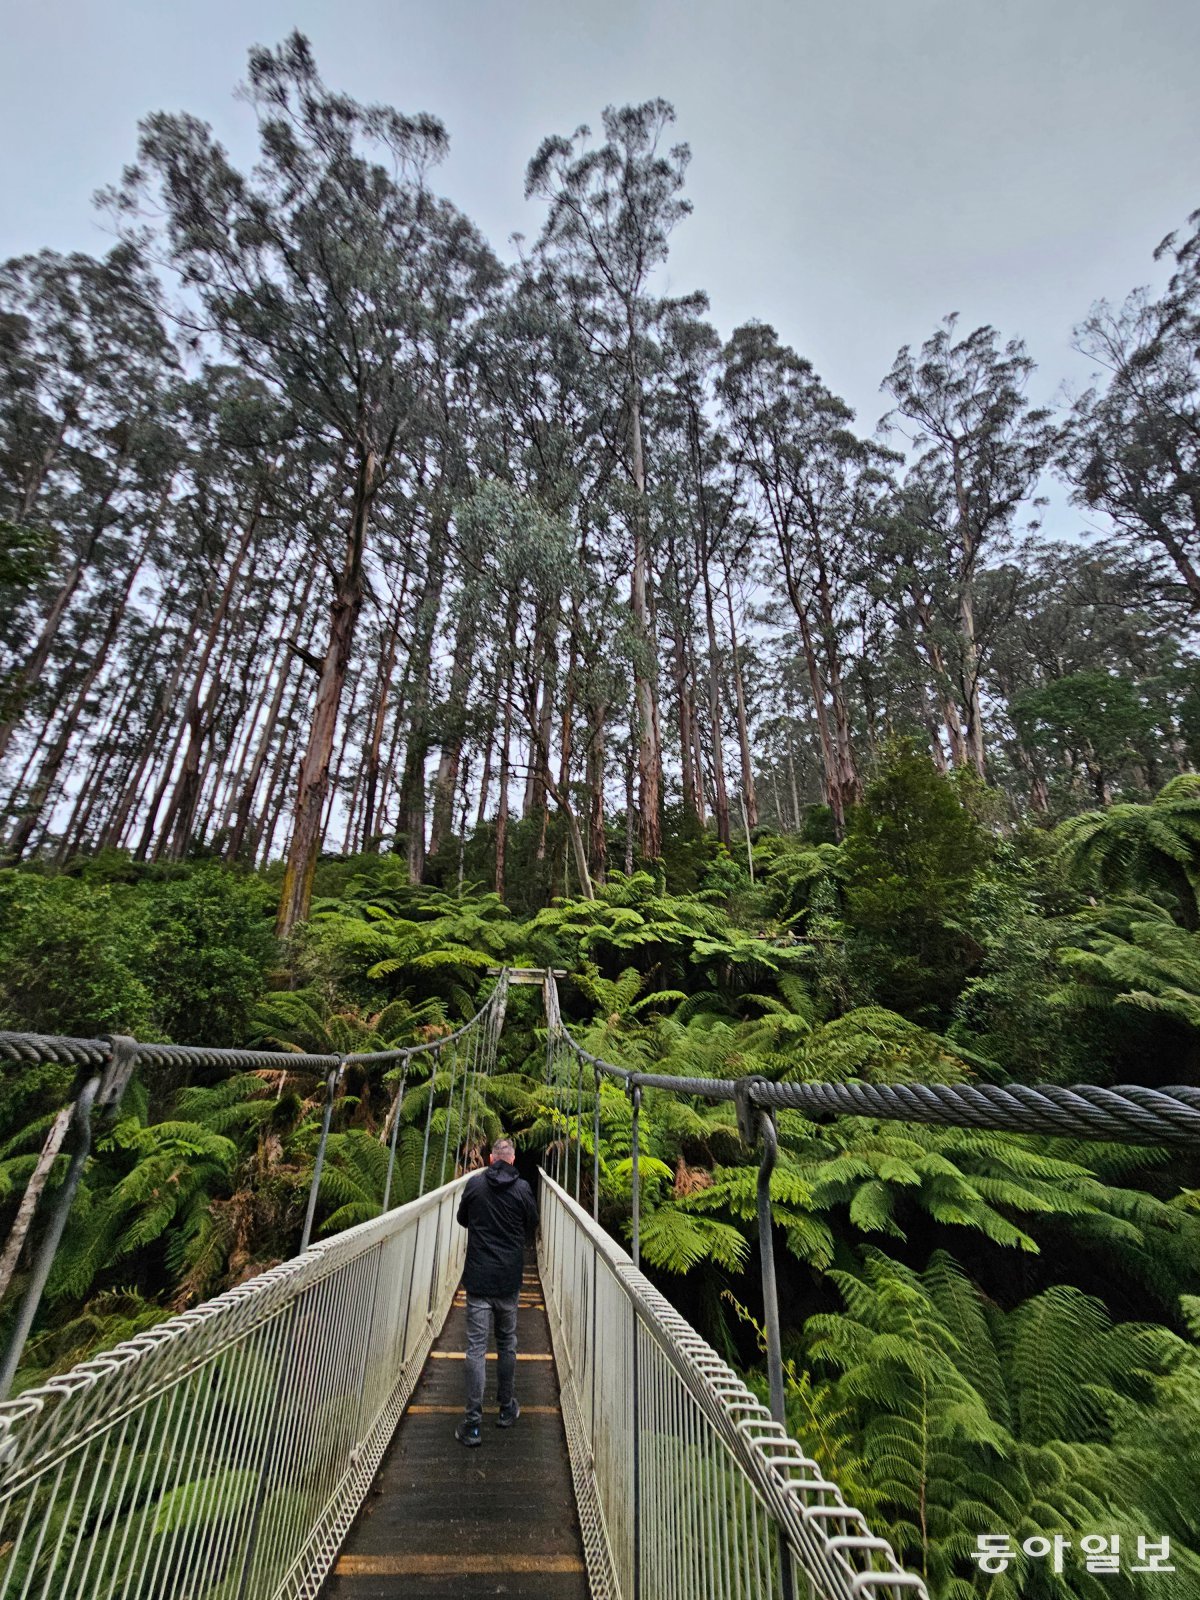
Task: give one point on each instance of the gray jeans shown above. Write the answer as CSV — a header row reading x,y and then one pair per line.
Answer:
x,y
480,1311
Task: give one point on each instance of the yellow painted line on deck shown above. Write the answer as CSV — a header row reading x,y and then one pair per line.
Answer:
x,y
467,1566
456,1411
461,1355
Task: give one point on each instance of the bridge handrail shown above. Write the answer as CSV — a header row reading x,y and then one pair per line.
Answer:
x,y
35,1048
1128,1113
320,1351
830,1541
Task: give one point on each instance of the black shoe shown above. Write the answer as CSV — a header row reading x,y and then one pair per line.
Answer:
x,y
468,1433
508,1414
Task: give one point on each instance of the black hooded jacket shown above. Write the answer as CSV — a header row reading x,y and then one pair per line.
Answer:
x,y
500,1215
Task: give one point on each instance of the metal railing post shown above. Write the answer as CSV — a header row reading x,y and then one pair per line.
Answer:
x,y
578,1126
332,1079
596,1148
391,1166
758,1127
635,1095
433,1066
449,1111
766,1252
637,1457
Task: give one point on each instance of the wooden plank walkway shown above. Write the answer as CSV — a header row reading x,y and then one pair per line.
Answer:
x,y
442,1520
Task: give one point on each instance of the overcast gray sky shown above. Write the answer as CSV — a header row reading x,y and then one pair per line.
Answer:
x,y
860,167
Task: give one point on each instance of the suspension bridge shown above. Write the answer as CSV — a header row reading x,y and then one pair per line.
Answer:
x,y
292,1437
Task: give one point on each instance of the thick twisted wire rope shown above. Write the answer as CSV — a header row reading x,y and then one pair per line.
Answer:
x,y
1129,1113
36,1048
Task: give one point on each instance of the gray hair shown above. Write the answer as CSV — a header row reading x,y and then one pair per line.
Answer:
x,y
504,1150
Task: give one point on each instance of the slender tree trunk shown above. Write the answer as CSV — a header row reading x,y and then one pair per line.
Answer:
x,y
34,664
446,780
833,792
505,755
261,838
34,481
829,762
118,752
281,671
52,763
410,822
966,623
125,812
541,747
720,791
687,770
567,725
630,814
50,719
343,747
485,778
562,801
387,775
697,741
846,767
198,713
253,687
743,725
597,834
1039,796
578,849
534,796
970,650
795,791
935,738
941,678
371,767
296,894
649,757
33,1192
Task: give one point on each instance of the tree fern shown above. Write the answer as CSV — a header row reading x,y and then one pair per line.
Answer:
x,y
1138,846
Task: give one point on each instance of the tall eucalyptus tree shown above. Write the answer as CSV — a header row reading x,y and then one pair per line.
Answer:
x,y
981,448
329,272
612,207
817,487
84,358
1132,447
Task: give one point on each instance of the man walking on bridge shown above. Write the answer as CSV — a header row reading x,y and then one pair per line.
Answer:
x,y
500,1215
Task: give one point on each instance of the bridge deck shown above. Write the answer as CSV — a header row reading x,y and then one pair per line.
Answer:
x,y
450,1521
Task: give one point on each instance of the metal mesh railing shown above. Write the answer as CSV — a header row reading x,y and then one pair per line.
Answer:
x,y
223,1454
819,1541
686,1486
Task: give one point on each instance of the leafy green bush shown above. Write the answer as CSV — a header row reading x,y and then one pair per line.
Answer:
x,y
183,958
912,852
71,957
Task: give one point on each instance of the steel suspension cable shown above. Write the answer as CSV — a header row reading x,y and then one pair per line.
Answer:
x,y
1129,1113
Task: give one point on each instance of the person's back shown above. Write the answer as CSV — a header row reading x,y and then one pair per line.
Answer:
x,y
496,1207
500,1215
